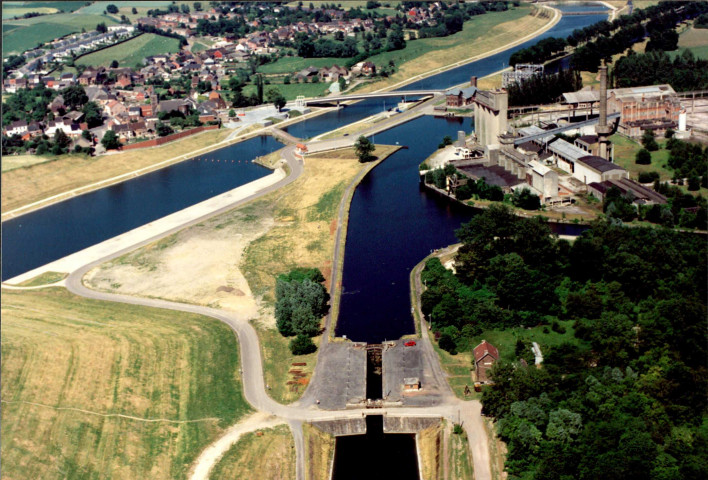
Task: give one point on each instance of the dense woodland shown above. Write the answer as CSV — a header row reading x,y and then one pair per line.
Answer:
x,y
541,89
683,73
627,397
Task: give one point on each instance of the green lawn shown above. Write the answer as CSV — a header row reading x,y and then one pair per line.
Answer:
x,y
32,32
131,52
695,40
199,46
626,149
290,92
295,64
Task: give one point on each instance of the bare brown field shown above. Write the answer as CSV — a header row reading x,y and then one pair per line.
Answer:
x,y
96,389
23,186
265,454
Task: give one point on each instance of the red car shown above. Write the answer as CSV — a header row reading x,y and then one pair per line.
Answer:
x,y
410,343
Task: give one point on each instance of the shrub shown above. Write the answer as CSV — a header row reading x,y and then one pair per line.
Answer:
x,y
447,343
302,345
648,177
457,429
643,157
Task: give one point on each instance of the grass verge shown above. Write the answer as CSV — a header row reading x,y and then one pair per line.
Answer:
x,y
44,279
265,454
458,458
96,389
319,452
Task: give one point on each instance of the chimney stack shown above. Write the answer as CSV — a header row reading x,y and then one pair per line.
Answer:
x,y
602,130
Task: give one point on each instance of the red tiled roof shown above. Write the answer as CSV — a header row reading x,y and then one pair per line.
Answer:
x,y
483,349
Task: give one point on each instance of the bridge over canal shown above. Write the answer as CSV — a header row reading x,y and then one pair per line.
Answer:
x,y
362,96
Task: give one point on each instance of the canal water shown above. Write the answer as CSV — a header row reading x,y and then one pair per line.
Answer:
x,y
375,456
48,234
37,238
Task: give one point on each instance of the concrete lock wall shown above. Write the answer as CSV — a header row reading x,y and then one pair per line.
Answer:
x,y
408,424
340,428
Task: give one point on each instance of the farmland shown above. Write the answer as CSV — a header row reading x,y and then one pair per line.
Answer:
x,y
132,52
95,389
32,32
695,40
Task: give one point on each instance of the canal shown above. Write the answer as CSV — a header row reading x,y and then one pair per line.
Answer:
x,y
45,235
53,232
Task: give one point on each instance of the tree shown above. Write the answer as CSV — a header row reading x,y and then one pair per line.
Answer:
x,y
276,98
92,114
643,157
197,6
669,133
649,141
364,149
523,198
87,135
74,96
112,9
163,129
185,8
114,64
110,140
61,139
134,11
232,113
101,28
302,345
259,88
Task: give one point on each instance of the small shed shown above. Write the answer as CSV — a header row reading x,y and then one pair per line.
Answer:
x,y
411,384
301,149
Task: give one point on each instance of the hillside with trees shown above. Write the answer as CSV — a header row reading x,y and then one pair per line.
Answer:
x,y
627,397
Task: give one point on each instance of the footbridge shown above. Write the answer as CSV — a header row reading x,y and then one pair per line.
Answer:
x,y
362,96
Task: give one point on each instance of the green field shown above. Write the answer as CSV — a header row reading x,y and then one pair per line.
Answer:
x,y
695,40
99,7
295,64
18,12
471,32
132,52
626,149
105,390
31,32
290,92
68,6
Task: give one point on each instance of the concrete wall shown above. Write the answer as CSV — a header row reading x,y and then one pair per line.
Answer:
x,y
339,428
408,424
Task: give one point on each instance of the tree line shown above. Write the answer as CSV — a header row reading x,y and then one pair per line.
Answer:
x,y
540,89
625,396
683,73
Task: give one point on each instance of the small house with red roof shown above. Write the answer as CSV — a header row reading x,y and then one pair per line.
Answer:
x,y
485,356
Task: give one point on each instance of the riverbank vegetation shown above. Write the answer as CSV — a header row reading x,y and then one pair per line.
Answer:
x,y
625,395
265,454
84,377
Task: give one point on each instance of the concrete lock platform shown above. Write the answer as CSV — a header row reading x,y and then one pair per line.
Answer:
x,y
401,362
345,384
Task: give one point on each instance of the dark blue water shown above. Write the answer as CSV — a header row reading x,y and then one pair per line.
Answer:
x,y
360,110
375,456
393,224
53,232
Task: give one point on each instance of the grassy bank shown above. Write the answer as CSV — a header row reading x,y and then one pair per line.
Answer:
x,y
23,186
481,34
319,452
104,390
266,454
